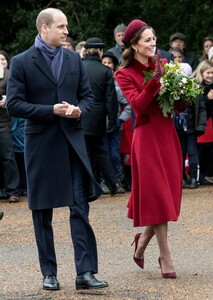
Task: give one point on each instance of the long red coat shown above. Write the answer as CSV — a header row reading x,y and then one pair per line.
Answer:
x,y
155,155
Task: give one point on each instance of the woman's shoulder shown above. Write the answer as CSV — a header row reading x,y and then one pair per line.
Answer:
x,y
124,71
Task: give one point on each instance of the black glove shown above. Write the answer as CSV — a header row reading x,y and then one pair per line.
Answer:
x,y
199,132
159,67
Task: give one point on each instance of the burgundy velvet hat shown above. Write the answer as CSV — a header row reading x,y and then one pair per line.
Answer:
x,y
132,28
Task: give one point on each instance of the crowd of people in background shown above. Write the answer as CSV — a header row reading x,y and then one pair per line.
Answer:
x,y
109,142
76,125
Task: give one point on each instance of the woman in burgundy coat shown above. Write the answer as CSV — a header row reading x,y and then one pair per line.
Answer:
x,y
155,155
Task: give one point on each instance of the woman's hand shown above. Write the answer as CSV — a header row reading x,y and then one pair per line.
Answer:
x,y
210,95
159,67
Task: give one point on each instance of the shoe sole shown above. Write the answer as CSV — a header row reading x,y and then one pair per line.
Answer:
x,y
14,200
84,287
51,289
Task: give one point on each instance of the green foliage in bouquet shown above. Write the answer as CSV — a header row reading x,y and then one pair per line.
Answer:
x,y
177,86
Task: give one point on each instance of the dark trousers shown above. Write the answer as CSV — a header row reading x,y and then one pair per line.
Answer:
x,y
188,144
83,238
19,156
8,164
100,158
205,151
112,145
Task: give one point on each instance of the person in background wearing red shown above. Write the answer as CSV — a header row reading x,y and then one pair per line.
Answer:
x,y
204,74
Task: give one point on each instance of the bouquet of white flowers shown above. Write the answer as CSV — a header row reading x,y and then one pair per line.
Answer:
x,y
177,86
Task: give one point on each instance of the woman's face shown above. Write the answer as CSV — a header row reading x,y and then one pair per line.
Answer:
x,y
208,75
3,61
207,45
146,46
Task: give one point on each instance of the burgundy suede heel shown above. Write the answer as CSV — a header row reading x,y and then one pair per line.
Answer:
x,y
139,262
171,275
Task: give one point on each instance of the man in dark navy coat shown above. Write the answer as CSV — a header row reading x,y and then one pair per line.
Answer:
x,y
167,55
48,86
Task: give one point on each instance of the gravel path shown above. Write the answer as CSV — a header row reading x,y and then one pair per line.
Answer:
x,y
191,243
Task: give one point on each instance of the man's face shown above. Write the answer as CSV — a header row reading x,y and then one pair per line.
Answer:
x,y
118,38
178,43
55,34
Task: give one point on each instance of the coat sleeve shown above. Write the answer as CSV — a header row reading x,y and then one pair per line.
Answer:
x,y
125,113
138,99
111,102
17,104
201,115
209,105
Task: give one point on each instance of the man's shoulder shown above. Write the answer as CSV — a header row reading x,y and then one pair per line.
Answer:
x,y
22,55
112,49
72,57
71,53
166,54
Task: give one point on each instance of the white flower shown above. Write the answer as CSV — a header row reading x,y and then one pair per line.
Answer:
x,y
176,86
184,80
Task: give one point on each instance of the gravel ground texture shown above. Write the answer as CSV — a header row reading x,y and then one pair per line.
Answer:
x,y
190,240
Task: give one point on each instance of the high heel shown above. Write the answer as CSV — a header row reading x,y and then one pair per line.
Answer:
x,y
138,261
171,275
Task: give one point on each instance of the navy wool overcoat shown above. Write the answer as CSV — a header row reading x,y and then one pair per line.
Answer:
x,y
31,93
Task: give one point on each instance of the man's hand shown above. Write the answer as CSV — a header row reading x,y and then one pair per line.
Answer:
x,y
3,103
66,110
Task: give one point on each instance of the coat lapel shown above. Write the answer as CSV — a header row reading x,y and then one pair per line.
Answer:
x,y
63,68
41,63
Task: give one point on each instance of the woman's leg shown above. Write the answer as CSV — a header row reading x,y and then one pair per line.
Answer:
x,y
143,241
161,232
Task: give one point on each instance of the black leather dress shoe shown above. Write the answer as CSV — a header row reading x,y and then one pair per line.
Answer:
x,y
193,184
88,281
50,283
